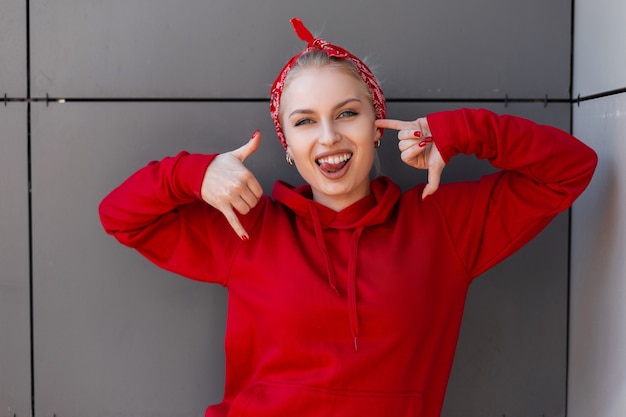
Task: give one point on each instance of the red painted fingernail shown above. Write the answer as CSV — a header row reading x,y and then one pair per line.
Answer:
x,y
245,238
426,141
417,134
256,132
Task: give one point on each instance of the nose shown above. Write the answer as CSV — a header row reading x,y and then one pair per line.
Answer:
x,y
329,134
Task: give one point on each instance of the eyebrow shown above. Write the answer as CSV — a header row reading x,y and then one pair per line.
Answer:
x,y
309,111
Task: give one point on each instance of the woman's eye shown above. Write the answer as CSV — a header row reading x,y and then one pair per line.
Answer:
x,y
347,113
303,122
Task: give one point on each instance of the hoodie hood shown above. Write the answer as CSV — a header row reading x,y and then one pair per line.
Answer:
x,y
371,210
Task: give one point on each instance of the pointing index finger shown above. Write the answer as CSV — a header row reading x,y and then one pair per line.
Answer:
x,y
394,124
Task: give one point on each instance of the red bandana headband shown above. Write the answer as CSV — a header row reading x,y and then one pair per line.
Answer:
x,y
333,51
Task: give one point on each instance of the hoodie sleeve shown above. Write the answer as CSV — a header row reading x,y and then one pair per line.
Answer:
x,y
158,211
542,171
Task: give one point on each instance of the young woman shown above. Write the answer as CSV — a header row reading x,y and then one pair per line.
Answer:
x,y
346,295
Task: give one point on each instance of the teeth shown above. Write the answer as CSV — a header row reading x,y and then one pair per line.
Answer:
x,y
335,159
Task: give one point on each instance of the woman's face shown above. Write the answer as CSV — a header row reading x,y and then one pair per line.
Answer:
x,y
328,121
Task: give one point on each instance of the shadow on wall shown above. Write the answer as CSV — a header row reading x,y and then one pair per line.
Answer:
x,y
599,263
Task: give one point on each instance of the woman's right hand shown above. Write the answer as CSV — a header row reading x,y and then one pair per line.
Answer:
x,y
228,185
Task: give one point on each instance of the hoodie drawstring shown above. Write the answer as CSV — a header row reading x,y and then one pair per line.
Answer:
x,y
319,236
352,263
351,286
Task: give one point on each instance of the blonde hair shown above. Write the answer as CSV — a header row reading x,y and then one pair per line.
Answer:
x,y
320,59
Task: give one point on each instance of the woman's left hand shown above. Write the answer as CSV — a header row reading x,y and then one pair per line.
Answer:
x,y
417,149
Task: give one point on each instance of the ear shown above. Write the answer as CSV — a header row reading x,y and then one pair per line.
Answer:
x,y
379,133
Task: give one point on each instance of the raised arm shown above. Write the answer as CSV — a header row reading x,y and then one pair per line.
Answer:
x,y
543,170
180,212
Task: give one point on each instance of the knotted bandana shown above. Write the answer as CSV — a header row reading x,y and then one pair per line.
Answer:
x,y
333,51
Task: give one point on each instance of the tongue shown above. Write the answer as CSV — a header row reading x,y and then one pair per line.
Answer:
x,y
328,167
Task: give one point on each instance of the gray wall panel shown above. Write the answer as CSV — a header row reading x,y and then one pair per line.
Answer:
x,y
114,335
600,54
234,48
13,48
597,373
15,387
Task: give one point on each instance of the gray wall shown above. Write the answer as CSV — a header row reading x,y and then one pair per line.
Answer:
x,y
597,377
112,335
15,375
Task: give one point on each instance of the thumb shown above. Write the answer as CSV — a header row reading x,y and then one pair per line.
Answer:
x,y
434,178
249,148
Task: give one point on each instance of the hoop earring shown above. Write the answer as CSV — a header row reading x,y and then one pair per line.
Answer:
x,y
289,159
377,143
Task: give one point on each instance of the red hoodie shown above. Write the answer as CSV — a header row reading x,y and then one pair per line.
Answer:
x,y
357,312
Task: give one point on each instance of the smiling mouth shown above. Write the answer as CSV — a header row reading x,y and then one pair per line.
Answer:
x,y
333,163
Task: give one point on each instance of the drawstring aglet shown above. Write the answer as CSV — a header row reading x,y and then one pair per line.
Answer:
x,y
356,344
